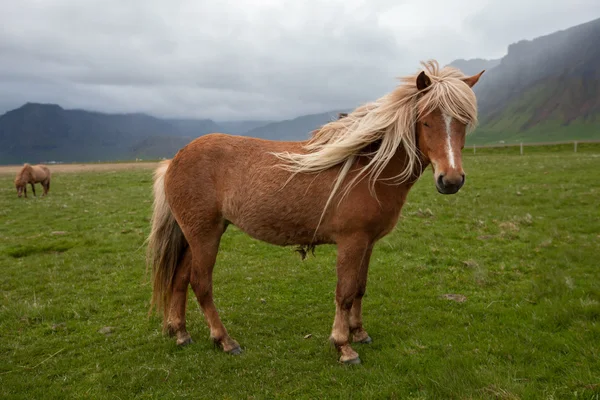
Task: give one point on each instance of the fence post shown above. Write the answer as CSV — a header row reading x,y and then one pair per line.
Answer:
x,y
521,148
474,150
575,146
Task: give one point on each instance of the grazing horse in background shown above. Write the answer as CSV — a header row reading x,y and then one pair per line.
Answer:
x,y
345,186
32,174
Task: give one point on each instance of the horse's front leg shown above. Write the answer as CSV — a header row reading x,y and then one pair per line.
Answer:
x,y
33,189
359,334
351,255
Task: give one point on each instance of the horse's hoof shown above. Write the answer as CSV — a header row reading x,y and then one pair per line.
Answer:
x,y
184,341
352,361
235,351
366,340
361,336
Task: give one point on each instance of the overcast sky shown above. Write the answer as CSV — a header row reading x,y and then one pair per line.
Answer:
x,y
248,59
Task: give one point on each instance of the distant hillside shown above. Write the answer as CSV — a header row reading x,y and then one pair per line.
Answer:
x,y
47,132
546,89
294,129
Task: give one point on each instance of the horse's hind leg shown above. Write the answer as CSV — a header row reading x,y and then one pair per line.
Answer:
x,y
351,255
175,317
46,185
205,254
359,334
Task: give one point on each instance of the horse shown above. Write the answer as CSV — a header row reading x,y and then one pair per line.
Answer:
x,y
345,186
32,174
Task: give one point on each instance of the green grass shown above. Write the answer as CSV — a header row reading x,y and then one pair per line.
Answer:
x,y
520,242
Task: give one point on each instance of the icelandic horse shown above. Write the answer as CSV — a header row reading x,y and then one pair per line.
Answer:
x,y
32,174
345,185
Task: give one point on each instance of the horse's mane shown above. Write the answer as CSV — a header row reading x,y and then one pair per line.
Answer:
x,y
390,121
24,173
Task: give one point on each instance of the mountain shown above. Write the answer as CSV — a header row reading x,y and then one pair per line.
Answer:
x,y
294,129
47,132
545,89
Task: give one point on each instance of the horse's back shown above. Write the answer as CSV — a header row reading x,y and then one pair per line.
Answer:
x,y
241,144
41,173
45,169
216,151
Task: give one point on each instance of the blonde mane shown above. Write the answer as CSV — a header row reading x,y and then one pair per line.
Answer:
x,y
390,121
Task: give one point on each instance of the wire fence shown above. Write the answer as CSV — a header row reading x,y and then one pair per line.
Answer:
x,y
522,145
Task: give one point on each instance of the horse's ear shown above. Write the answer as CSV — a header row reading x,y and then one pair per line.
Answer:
x,y
472,80
423,81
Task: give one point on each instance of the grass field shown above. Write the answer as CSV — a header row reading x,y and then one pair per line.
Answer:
x,y
520,242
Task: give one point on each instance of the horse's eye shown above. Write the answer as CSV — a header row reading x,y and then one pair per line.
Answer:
x,y
426,124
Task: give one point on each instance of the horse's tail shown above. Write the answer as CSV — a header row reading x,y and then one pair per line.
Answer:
x,y
166,244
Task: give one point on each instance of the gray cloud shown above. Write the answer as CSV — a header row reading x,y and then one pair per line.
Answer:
x,y
230,59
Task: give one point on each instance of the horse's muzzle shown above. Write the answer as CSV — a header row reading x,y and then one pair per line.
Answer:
x,y
449,185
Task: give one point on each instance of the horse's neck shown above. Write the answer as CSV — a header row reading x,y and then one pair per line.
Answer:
x,y
27,175
398,164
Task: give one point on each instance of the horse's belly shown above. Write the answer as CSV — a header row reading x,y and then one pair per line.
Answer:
x,y
272,223
277,232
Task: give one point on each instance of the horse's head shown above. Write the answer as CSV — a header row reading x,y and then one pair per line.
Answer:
x,y
440,135
20,188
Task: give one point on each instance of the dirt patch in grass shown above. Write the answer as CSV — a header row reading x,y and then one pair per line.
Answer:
x,y
28,250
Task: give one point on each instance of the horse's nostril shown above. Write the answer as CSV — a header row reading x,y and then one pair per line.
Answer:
x,y
440,181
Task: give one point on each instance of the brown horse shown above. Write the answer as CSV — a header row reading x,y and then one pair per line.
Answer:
x,y
290,193
32,174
